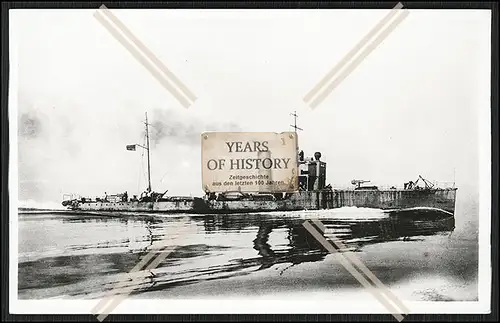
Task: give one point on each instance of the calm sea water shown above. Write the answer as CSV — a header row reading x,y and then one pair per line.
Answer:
x,y
420,255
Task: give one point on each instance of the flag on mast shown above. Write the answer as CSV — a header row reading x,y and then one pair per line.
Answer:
x,y
131,147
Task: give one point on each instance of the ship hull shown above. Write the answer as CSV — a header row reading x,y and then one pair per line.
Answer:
x,y
166,207
441,199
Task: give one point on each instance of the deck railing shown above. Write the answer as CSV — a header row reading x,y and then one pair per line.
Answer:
x,y
437,184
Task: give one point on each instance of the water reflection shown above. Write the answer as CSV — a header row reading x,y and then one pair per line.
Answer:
x,y
94,253
354,234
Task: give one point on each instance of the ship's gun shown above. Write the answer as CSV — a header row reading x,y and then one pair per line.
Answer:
x,y
358,182
158,196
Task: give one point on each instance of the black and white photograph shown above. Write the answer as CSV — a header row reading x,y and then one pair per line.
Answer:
x,y
220,161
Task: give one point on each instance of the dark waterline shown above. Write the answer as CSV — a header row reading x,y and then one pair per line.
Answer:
x,y
84,256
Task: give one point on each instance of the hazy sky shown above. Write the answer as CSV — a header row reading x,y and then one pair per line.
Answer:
x,y
410,108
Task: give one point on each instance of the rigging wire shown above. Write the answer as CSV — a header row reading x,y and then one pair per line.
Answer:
x,y
141,169
161,180
142,160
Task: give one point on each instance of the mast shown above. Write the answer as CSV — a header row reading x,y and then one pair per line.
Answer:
x,y
454,169
147,148
294,126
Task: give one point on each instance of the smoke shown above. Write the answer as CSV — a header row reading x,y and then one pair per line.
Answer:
x,y
178,128
64,148
47,146
30,126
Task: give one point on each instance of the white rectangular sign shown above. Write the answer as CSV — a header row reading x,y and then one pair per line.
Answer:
x,y
249,161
